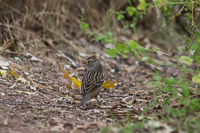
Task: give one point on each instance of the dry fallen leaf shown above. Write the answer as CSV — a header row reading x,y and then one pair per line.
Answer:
x,y
75,82
109,85
22,80
26,92
33,58
70,99
57,128
3,73
66,73
4,63
2,94
11,72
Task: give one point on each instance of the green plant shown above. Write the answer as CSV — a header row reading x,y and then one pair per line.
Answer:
x,y
106,37
177,89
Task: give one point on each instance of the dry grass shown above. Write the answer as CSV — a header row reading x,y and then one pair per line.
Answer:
x,y
29,21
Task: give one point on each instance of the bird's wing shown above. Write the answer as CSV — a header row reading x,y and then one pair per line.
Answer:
x,y
91,80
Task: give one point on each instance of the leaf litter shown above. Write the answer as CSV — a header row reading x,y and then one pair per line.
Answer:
x,y
42,100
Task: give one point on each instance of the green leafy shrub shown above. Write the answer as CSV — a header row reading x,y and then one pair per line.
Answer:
x,y
178,89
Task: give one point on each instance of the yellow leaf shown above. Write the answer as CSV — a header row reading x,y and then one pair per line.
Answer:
x,y
11,72
109,85
105,84
76,82
66,74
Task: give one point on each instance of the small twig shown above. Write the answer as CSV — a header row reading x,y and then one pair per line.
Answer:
x,y
43,95
159,52
61,54
198,94
111,95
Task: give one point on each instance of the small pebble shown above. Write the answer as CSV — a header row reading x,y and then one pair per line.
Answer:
x,y
117,68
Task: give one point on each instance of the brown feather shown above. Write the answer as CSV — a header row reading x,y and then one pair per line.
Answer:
x,y
92,78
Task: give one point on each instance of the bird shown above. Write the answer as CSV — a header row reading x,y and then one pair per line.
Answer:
x,y
92,80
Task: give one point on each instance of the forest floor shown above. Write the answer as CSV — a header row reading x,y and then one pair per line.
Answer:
x,y
35,97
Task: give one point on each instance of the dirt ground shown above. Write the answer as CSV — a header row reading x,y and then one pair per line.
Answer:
x,y
37,98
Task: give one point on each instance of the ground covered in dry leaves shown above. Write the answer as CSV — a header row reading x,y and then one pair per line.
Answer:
x,y
34,96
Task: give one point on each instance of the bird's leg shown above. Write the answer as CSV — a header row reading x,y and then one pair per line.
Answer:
x,y
98,100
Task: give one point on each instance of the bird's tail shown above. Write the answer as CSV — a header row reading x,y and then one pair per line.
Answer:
x,y
83,101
